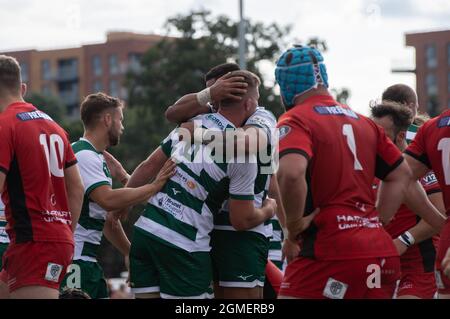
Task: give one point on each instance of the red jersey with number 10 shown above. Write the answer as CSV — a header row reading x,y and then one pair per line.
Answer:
x,y
345,151
34,151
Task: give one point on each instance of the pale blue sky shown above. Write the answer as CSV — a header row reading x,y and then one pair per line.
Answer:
x,y
365,37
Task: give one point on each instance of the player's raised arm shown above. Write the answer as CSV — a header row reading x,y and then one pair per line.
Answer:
x,y
220,85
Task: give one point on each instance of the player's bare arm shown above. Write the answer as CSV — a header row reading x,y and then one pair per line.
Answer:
x,y
114,232
75,193
115,199
115,167
392,191
244,215
148,169
293,186
423,231
416,198
190,105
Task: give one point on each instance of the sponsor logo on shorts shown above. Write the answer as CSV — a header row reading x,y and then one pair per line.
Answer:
x,y
53,272
335,289
244,277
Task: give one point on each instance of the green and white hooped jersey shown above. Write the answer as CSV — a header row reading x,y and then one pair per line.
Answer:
x,y
181,214
264,119
411,133
276,240
4,239
94,173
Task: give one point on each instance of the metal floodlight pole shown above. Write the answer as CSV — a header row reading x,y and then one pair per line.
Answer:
x,y
242,44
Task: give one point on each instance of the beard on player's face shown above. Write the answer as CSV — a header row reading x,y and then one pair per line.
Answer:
x,y
113,136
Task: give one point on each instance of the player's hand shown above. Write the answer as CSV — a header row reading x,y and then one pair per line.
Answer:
x,y
401,247
115,167
446,264
228,87
295,228
270,205
166,172
290,250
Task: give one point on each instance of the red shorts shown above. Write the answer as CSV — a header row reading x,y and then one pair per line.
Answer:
x,y
421,285
36,264
442,281
371,278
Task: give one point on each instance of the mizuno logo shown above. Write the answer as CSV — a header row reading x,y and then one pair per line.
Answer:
x,y
175,191
244,277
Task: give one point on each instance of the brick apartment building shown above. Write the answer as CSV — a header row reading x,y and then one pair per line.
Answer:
x,y
72,73
432,69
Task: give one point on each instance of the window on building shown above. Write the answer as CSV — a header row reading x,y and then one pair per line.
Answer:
x,y
134,62
97,65
97,87
448,82
448,54
113,64
24,72
46,71
431,55
114,88
68,69
431,84
433,106
45,90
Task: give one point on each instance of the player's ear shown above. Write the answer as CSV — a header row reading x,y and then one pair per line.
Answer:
x,y
401,136
107,119
23,89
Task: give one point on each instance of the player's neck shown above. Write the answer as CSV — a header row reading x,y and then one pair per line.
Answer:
x,y
303,97
99,142
231,115
8,100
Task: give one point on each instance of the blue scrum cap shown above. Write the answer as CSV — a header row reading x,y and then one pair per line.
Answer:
x,y
299,70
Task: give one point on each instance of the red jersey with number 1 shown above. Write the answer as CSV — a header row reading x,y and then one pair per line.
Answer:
x,y
345,151
34,151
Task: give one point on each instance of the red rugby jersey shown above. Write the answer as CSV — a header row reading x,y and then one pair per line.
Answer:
x,y
34,151
345,151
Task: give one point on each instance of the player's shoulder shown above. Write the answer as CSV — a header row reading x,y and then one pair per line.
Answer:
x,y
213,120
263,113
85,152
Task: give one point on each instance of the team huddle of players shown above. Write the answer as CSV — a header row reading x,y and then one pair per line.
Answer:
x,y
355,209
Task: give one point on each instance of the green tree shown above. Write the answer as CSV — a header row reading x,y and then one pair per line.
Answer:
x,y
48,104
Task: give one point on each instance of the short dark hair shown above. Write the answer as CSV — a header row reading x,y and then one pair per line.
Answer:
x,y
220,70
400,93
72,293
9,74
94,105
250,78
400,115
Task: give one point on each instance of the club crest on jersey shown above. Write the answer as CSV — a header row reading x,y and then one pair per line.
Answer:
x,y
283,131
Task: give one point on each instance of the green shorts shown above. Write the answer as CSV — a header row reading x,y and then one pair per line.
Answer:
x,y
87,276
239,258
158,266
3,248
